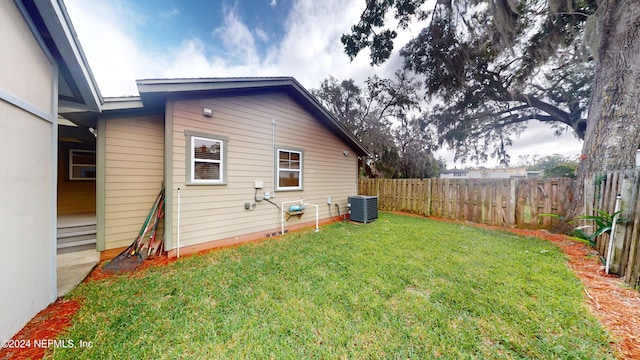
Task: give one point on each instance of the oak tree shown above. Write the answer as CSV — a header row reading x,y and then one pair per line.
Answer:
x,y
496,64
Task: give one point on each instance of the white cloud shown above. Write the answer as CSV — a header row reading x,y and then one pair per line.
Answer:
x,y
237,39
537,139
273,3
262,35
105,33
171,13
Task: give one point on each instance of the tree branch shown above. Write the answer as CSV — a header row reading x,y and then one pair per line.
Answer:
x,y
556,113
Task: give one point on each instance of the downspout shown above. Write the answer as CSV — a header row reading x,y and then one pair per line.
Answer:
x,y
178,228
273,156
53,188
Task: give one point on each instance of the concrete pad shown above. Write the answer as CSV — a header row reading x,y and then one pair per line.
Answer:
x,y
74,267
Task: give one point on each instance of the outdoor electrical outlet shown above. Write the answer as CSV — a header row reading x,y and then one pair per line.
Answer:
x,y
259,184
329,200
267,195
247,206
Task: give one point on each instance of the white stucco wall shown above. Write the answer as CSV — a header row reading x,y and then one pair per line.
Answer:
x,y
27,180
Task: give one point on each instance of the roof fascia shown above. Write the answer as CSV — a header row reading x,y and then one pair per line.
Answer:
x,y
56,19
177,87
118,103
188,85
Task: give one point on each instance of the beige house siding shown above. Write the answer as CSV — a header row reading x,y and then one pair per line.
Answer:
x,y
134,168
215,212
27,154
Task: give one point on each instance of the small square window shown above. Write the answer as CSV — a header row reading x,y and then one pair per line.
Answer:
x,y
82,165
206,160
289,171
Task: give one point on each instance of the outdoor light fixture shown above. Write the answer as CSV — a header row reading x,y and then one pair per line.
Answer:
x,y
207,112
345,153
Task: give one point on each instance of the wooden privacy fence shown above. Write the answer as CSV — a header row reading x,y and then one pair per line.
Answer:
x,y
502,202
601,192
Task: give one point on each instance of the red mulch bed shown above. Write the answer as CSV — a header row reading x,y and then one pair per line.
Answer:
x,y
46,325
616,306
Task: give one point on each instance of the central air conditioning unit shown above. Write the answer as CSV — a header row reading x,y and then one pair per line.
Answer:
x,y
363,208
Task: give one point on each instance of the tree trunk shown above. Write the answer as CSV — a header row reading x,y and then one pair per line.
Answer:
x,y
613,123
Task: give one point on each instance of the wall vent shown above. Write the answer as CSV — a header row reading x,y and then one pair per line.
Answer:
x,y
363,208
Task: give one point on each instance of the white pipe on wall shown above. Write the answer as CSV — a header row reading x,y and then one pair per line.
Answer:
x,y
273,155
613,232
178,226
317,215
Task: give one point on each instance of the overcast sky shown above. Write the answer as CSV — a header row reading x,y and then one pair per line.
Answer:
x,y
125,40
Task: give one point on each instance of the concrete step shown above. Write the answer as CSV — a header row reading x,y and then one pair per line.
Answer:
x,y
66,230
72,234
76,243
76,239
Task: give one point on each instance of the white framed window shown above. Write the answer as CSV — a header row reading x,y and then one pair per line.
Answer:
x,y
206,159
82,164
289,169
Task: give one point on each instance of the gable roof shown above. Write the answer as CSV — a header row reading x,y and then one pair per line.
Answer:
x,y
154,93
77,88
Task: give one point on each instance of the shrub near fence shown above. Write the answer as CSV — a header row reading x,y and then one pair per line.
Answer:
x,y
502,202
600,194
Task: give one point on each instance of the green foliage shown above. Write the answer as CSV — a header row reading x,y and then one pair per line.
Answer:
x,y
597,185
399,287
536,162
552,165
561,170
603,224
487,64
378,116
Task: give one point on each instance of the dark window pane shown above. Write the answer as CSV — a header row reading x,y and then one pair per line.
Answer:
x,y
84,158
207,171
84,172
289,179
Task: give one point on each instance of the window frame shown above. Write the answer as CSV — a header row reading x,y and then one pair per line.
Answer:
x,y
72,177
300,170
191,160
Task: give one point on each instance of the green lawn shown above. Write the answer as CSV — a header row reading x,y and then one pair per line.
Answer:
x,y
400,287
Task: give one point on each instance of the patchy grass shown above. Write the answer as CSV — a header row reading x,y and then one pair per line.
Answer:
x,y
395,288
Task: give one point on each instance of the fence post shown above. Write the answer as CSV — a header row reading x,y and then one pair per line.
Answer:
x,y
512,203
